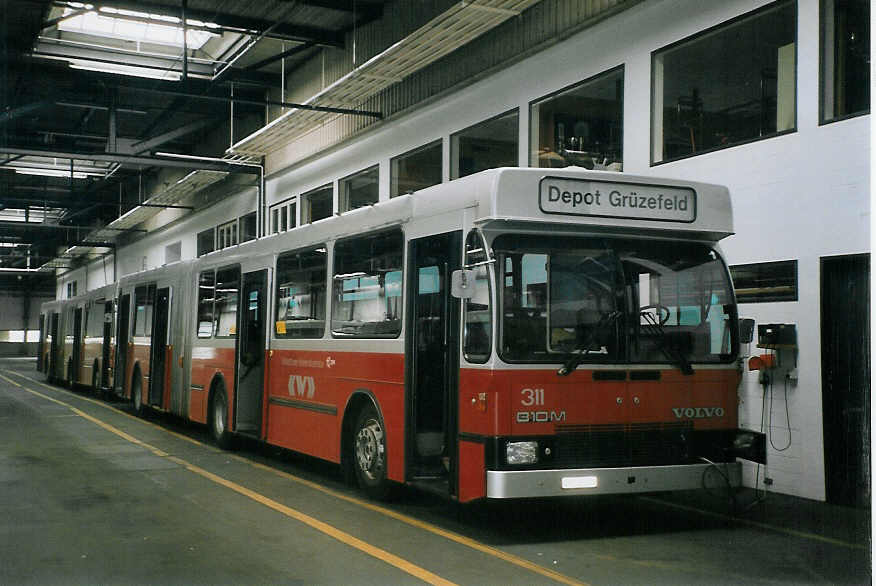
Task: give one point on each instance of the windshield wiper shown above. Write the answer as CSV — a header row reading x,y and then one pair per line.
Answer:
x,y
583,349
654,327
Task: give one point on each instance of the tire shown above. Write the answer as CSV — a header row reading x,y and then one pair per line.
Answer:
x,y
218,418
137,394
369,455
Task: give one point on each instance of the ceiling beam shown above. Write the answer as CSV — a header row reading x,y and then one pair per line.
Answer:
x,y
155,141
11,113
136,160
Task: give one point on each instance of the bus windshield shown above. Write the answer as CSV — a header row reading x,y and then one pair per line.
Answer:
x,y
613,300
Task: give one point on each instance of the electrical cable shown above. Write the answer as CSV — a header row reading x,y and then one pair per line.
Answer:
x,y
787,415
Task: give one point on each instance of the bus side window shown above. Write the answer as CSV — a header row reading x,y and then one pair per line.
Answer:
x,y
206,295
300,310
366,288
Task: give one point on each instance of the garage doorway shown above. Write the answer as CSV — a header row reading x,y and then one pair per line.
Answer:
x,y
845,373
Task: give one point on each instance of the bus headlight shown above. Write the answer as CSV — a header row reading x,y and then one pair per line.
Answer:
x,y
517,453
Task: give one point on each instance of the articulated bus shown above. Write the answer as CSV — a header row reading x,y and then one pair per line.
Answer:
x,y
78,339
515,333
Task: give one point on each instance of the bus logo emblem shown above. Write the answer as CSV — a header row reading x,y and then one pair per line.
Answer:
x,y
697,412
301,386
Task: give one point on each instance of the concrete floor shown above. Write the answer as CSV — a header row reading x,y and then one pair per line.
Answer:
x,y
91,494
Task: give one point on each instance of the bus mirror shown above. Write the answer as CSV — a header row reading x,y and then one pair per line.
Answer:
x,y
746,330
462,284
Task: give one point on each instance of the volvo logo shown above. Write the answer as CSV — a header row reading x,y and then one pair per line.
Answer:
x,y
697,412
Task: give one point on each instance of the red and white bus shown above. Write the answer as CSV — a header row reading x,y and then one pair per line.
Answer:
x,y
515,333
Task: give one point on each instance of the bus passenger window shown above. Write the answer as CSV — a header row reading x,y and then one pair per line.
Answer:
x,y
144,296
366,288
227,290
301,290
206,294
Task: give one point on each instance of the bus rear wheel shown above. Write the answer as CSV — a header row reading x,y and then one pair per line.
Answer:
x,y
137,394
218,418
369,455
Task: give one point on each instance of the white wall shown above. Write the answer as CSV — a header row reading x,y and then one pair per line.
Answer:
x,y
799,196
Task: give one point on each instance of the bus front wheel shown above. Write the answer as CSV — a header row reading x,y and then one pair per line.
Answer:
x,y
369,454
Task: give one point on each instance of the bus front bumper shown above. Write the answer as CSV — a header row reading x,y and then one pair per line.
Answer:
x,y
504,484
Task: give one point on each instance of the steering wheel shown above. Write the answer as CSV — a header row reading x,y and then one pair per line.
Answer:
x,y
663,312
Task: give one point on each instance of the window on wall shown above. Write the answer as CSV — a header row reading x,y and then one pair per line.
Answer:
x,y
415,170
845,58
765,281
275,220
490,144
301,291
316,204
173,252
367,286
248,227
206,241
226,235
72,289
360,189
729,85
581,125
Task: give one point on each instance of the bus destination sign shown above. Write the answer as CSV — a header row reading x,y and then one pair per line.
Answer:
x,y
575,197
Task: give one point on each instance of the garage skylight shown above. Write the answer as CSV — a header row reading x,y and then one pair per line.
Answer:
x,y
129,25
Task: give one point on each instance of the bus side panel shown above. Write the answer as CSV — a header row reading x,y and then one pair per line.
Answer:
x,y
207,363
168,370
308,392
91,350
472,471
140,356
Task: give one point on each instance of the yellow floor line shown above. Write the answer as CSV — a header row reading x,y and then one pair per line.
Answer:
x,y
434,529
325,528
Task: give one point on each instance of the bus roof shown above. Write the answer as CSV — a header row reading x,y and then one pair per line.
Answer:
x,y
580,197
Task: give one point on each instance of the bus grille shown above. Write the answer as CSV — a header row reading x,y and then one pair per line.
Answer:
x,y
636,444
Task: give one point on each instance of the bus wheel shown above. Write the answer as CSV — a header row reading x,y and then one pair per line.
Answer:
x,y
219,418
137,394
369,454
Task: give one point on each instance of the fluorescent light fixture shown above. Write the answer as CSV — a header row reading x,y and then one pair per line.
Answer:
x,y
570,482
52,173
134,71
56,172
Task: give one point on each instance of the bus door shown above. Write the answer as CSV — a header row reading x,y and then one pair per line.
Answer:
x,y
123,337
433,362
103,380
158,351
53,346
251,353
42,345
73,375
